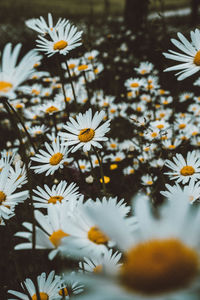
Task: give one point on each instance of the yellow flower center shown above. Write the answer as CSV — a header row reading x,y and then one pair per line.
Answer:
x,y
5,86
55,199
51,109
72,66
113,166
187,171
143,72
96,236
106,179
35,92
150,182
2,197
165,102
67,99
96,71
162,92
159,266
160,126
82,167
90,57
19,106
82,67
57,236
56,159
196,60
113,146
154,134
60,45
182,126
98,269
129,94
63,292
171,147
118,159
134,85
38,132
132,171
86,135
194,133
43,296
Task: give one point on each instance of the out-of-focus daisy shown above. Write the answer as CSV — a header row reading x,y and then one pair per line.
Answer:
x,y
84,165
106,263
9,182
171,144
144,68
85,131
190,58
184,169
41,26
37,130
148,179
71,286
48,287
58,193
128,170
185,96
52,107
53,228
161,258
52,159
62,40
12,75
191,191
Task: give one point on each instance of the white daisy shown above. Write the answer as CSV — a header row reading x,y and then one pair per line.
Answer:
x,y
71,287
84,131
161,258
62,40
51,160
58,193
48,287
184,169
190,58
12,75
41,26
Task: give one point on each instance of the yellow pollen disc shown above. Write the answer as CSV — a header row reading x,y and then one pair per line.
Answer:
x,y
195,133
196,60
86,135
162,92
105,104
132,171
63,292
162,115
96,162
146,149
171,147
57,236
72,66
159,266
2,197
51,109
150,182
129,94
96,71
118,159
82,167
56,159
5,86
113,146
187,171
181,126
165,102
98,269
35,92
43,296
106,179
138,108
143,72
112,110
47,94
90,57
1,169
82,67
67,99
134,85
160,126
38,132
154,134
113,166
60,45
96,236
19,105
55,199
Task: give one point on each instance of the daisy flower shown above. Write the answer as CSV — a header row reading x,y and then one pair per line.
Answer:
x,y
84,131
192,191
184,169
144,68
61,40
52,159
48,286
161,258
53,228
41,26
107,263
71,286
190,58
52,106
9,182
58,193
12,75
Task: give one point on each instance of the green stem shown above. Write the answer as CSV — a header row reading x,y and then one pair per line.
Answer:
x,y
21,122
62,79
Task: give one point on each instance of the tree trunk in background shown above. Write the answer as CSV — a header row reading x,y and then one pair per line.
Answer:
x,y
135,14
194,12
